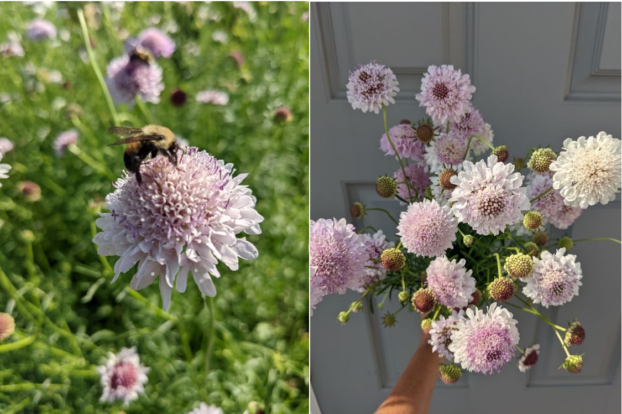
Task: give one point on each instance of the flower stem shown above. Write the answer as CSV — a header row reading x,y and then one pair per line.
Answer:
x,y
436,313
367,227
211,331
599,239
541,194
469,144
384,211
562,342
386,131
519,349
17,344
498,263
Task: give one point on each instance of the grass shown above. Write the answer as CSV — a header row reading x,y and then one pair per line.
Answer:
x,y
250,342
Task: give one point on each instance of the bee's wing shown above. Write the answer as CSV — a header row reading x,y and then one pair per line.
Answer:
x,y
136,138
125,132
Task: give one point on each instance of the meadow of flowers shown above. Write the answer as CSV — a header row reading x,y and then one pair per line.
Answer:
x,y
187,292
473,240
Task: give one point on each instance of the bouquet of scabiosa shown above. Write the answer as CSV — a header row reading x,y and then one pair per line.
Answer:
x,y
473,233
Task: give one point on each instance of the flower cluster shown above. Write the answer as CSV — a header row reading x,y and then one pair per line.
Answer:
x,y
473,237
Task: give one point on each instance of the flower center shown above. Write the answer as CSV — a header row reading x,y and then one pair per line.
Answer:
x,y
490,204
440,91
530,359
123,375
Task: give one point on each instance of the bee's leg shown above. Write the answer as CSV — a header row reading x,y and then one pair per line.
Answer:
x,y
139,178
172,158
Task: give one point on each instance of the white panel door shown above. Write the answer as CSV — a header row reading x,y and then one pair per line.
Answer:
x,y
543,72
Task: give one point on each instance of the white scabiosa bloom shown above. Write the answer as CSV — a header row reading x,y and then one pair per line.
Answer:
x,y
587,171
440,334
555,279
182,219
370,86
206,409
529,358
4,168
484,342
478,147
451,282
122,377
489,196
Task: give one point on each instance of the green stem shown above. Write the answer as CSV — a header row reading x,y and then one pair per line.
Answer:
x,y
211,330
85,158
599,239
463,235
541,194
498,263
155,309
28,386
98,74
384,211
438,309
519,349
367,227
144,110
469,145
386,131
17,344
562,342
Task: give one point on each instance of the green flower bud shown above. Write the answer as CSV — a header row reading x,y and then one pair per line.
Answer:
x,y
566,243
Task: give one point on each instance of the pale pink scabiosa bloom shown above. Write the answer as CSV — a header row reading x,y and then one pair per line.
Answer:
x,y
555,279
6,145
122,377
529,358
451,282
478,147
471,123
158,43
406,143
128,79
446,93
489,196
182,219
12,47
446,151
338,256
315,291
371,86
212,97
40,29
427,229
440,334
417,177
549,204
207,409
374,244
587,171
565,217
484,342
4,168
64,140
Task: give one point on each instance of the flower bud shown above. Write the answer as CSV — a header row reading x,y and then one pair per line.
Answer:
x,y
357,307
343,317
450,373
566,243
468,240
357,210
426,326
502,153
573,364
444,179
178,98
424,300
28,236
531,248
501,289
425,131
393,259
519,265
386,187
404,296
532,220
389,320
541,159
575,334
7,326
283,115
540,238
30,190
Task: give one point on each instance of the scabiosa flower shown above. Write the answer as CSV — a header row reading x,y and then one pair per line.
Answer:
x,y
573,364
425,130
566,242
470,123
575,334
519,265
374,244
426,326
445,151
207,409
7,326
529,358
445,93
550,204
40,29
440,334
386,187
532,220
587,171
282,114
4,168
357,210
122,377
371,86
315,292
64,140
555,279
212,97
338,255
489,196
418,179
12,47
30,190
6,145
127,79
427,229
392,259
541,160
565,217
501,289
181,219
483,342
451,282
423,300
449,373
478,147
406,143
178,98
440,194
540,238
158,43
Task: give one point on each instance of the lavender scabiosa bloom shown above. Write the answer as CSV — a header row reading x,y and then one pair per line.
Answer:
x,y
206,409
122,376
565,217
446,151
130,78
4,168
64,140
374,244
529,358
338,256
588,171
451,282
406,143
212,97
418,179
440,334
158,43
555,279
484,342
427,229
182,219
489,196
12,47
371,86
6,145
549,205
446,93
40,29
471,123
315,291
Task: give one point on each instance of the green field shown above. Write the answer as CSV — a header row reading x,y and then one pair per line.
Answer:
x,y
250,342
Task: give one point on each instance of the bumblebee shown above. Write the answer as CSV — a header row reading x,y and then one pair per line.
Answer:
x,y
142,142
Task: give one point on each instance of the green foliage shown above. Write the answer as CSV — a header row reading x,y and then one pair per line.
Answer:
x,y
253,344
